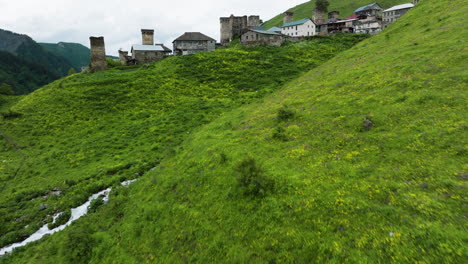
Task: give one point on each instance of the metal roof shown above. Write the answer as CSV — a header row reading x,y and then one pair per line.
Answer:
x,y
398,7
157,47
267,32
362,8
274,29
296,23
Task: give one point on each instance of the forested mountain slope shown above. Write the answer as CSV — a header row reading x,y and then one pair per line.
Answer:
x,y
77,54
23,76
27,49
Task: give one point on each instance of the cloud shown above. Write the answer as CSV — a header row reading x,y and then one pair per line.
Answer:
x,y
120,21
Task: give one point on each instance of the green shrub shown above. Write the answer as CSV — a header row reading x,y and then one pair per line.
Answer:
x,y
95,204
251,178
61,219
284,114
280,134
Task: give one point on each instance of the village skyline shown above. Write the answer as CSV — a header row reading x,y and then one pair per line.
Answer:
x,y
120,21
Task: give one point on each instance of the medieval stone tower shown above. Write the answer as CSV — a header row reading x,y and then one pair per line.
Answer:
x,y
234,26
334,15
98,54
288,17
147,36
318,16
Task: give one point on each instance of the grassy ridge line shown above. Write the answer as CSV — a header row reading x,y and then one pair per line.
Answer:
x,y
346,9
392,194
86,132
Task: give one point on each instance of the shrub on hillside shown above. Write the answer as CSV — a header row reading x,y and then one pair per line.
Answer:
x,y
284,114
252,179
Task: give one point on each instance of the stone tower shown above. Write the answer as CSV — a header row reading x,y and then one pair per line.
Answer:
x,y
318,17
234,26
288,17
254,21
334,15
147,36
98,54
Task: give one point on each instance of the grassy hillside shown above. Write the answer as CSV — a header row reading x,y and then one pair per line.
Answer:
x,y
77,54
86,132
362,160
22,75
346,9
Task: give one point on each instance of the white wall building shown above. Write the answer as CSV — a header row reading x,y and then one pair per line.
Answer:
x,y
301,28
393,13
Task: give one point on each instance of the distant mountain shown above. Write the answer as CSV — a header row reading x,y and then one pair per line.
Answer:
x,y
77,54
27,49
23,76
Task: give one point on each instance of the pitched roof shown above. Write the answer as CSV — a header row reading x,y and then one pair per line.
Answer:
x,y
266,32
398,7
157,47
362,8
188,36
275,29
295,23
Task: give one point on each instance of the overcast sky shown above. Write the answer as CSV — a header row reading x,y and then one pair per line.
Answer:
x,y
120,21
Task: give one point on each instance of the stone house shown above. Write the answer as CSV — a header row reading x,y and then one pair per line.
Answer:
x,y
393,13
255,37
142,54
235,26
147,52
373,9
301,28
193,42
369,25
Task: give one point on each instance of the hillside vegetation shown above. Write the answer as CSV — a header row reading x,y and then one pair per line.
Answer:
x,y
27,49
361,160
23,76
86,132
346,9
77,54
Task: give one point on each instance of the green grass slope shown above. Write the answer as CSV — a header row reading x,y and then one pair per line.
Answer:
x,y
346,9
304,177
86,132
77,54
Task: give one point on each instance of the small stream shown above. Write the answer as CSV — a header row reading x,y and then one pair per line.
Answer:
x,y
76,213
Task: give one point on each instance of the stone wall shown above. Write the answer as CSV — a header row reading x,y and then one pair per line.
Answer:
x,y
288,17
186,47
142,57
98,54
147,36
252,38
318,16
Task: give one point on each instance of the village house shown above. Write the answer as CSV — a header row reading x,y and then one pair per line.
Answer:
x,y
193,42
374,10
147,52
393,13
369,25
258,37
301,28
370,19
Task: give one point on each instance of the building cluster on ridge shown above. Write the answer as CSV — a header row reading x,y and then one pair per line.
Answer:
x,y
369,19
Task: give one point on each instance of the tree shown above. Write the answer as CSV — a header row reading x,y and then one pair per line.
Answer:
x,y
6,89
322,5
71,71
